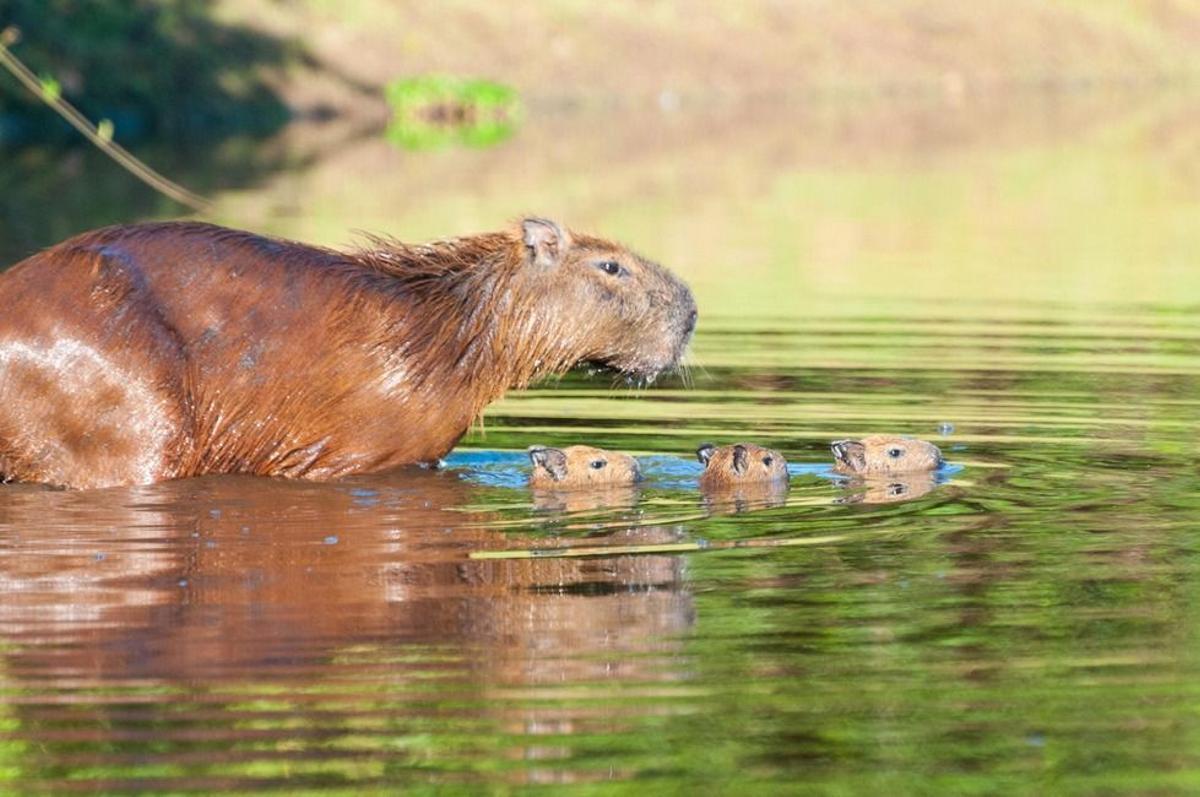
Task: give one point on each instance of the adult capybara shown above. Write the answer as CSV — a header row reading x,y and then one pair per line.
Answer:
x,y
885,454
139,353
577,467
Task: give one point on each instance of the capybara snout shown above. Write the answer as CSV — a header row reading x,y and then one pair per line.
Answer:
x,y
581,466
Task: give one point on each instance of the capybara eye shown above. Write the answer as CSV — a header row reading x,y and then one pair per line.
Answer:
x,y
597,464
610,267
895,453
768,460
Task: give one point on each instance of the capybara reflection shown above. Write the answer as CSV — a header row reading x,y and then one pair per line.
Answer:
x,y
576,467
740,464
885,454
888,489
215,574
140,353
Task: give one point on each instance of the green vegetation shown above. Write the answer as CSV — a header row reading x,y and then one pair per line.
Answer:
x,y
161,67
438,110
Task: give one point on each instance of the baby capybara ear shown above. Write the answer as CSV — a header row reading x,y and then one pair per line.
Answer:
x,y
551,460
850,454
545,240
704,453
741,460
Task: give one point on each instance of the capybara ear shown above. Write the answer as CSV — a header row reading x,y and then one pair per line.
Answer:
x,y
704,452
740,460
545,240
551,460
851,454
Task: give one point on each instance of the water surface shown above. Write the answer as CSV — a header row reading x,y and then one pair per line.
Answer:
x,y
1022,277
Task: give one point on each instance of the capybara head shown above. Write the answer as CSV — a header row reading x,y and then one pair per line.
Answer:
x,y
739,464
606,305
885,453
580,467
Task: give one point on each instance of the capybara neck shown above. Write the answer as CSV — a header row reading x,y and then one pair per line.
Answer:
x,y
475,327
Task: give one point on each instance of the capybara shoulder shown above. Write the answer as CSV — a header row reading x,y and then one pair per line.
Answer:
x,y
741,463
576,467
885,454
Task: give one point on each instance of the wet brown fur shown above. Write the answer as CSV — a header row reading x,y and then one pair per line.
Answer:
x,y
140,353
581,467
753,463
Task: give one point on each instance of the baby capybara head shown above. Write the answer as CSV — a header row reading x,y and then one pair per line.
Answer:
x,y
606,305
885,453
581,466
740,463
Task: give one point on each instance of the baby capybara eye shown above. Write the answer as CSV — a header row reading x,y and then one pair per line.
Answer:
x,y
597,464
611,267
767,461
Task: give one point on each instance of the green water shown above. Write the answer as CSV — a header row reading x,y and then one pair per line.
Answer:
x,y
1020,275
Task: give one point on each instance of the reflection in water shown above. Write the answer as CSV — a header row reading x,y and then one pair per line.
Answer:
x,y
888,489
585,500
159,590
744,496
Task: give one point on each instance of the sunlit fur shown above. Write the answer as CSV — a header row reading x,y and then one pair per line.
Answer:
x,y
229,352
884,454
576,467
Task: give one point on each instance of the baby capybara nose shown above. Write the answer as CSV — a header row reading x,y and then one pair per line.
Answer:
x,y
691,323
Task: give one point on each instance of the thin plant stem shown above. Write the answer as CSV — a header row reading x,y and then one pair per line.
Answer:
x,y
77,120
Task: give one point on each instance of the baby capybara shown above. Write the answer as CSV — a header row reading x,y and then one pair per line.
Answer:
x,y
581,466
739,464
880,454
139,353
